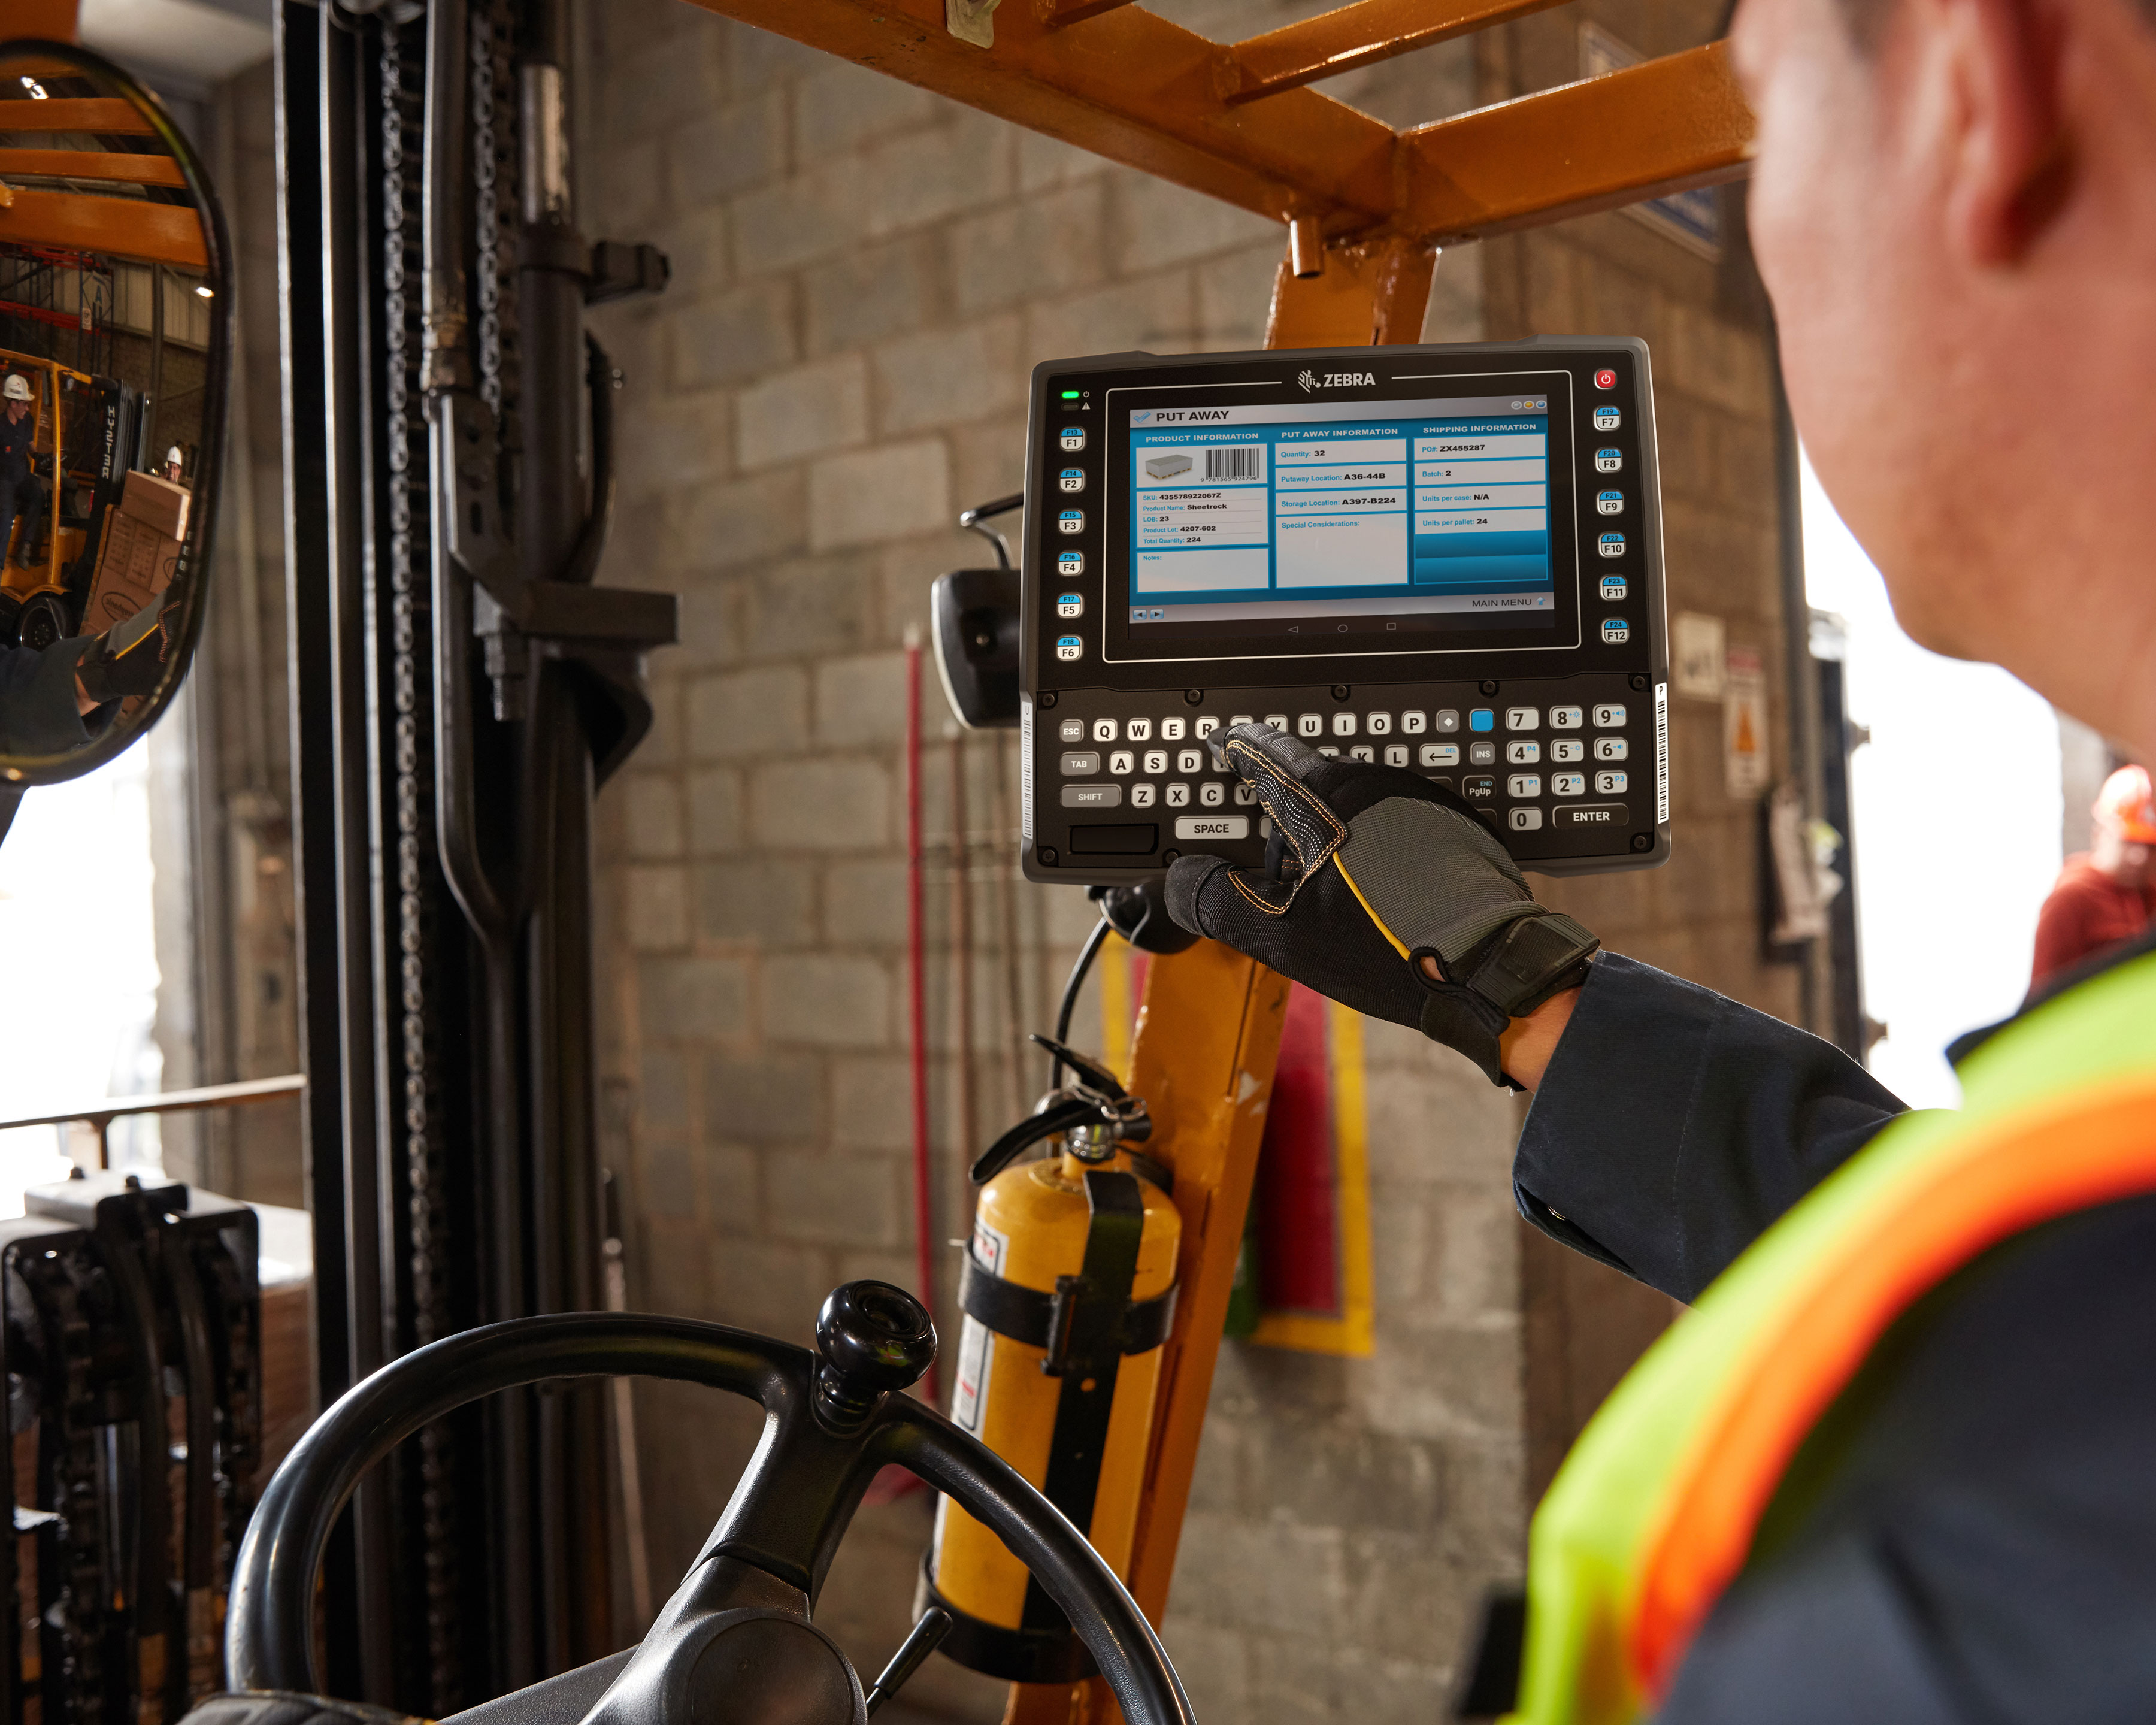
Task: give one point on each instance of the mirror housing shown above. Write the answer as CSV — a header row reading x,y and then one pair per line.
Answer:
x,y
105,551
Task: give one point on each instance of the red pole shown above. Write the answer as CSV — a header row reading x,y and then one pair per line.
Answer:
x,y
924,1250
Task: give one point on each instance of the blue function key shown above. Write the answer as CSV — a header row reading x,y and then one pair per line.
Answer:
x,y
1069,648
1482,718
1615,631
1070,564
1074,438
1071,478
1608,461
1072,520
1071,604
1609,503
1613,588
1611,545
1605,419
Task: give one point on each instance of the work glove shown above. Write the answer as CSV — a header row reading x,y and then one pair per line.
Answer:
x,y
1368,870
122,661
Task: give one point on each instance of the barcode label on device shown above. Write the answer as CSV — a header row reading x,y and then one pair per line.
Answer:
x,y
1661,754
1239,463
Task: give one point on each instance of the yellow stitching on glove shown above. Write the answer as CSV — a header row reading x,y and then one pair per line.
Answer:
x,y
1365,903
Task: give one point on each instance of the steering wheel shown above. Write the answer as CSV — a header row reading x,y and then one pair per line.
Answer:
x,y
735,1645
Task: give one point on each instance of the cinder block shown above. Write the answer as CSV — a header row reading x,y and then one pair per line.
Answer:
x,y
803,411
947,376
861,700
699,246
820,805
876,494
723,526
987,460
662,1094
1156,314
868,293
729,1196
1159,223
655,907
766,1099
864,904
841,106
727,149
766,902
1236,296
1044,163
758,712
827,1001
1447,1381
841,1200
663,84
685,998
714,810
628,182
811,605
650,806
1051,243
760,60
818,211
924,175
674,442
724,338
871,1105
710,624
770,1286
1214,1662
1457,297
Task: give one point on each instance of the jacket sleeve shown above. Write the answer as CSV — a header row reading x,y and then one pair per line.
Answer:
x,y
1674,1125
38,710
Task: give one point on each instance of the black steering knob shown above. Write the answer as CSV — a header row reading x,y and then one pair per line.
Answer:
x,y
872,1337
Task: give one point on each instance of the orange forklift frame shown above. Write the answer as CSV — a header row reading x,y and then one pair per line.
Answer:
x,y
1367,209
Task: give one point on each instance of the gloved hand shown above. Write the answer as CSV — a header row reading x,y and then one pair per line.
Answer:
x,y
1368,871
111,669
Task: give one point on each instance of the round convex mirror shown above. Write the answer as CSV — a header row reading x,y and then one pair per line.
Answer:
x,y
115,358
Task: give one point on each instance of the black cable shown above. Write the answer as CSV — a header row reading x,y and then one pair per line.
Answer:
x,y
1102,930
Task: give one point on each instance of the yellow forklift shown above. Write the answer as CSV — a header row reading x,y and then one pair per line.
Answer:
x,y
88,429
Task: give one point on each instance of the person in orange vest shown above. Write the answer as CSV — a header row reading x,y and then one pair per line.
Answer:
x,y
1895,1465
2106,894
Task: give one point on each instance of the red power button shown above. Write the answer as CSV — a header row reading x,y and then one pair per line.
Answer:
x,y
1605,378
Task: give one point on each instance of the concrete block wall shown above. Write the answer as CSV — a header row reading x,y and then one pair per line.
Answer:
x,y
864,276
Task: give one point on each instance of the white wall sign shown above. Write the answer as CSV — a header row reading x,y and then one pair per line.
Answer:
x,y
1746,759
1698,645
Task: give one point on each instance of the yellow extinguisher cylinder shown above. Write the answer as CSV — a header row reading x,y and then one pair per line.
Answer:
x,y
1031,1227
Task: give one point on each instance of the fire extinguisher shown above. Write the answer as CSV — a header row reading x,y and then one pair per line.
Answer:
x,y
1068,1292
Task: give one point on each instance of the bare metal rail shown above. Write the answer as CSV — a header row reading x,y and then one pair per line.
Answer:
x,y
101,1114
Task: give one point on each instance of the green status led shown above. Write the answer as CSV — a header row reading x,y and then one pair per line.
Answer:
x,y
1070,395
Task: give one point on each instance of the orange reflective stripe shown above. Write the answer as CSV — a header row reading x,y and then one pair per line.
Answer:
x,y
2062,1155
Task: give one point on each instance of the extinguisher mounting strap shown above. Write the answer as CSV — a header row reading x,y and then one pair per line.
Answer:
x,y
1028,1316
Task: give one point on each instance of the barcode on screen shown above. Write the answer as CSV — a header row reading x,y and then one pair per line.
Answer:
x,y
1239,463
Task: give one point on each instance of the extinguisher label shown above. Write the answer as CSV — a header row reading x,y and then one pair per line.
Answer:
x,y
990,1247
977,1358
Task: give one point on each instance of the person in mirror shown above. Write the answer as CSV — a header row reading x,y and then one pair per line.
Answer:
x,y
22,490
175,465
1894,1468
2107,894
64,697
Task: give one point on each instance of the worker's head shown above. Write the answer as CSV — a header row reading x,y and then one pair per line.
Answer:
x,y
175,463
2122,829
15,394
1953,207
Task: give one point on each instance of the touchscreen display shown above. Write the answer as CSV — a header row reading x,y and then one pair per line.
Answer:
x,y
1298,524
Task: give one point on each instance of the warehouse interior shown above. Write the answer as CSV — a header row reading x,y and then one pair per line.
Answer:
x,y
667,942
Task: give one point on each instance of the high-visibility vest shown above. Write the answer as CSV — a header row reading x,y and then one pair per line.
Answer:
x,y
1653,1513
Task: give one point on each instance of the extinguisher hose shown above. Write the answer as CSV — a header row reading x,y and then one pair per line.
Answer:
x,y
1078,969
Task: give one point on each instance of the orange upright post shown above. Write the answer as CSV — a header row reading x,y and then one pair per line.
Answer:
x,y
1209,1029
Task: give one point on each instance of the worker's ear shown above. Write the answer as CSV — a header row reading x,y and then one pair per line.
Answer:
x,y
2010,163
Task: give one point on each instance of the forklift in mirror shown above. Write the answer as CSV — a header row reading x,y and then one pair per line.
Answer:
x,y
86,440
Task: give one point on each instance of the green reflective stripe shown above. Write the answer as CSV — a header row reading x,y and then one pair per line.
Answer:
x,y
1590,1532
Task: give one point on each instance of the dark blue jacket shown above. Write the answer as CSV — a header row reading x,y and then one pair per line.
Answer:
x,y
1969,1536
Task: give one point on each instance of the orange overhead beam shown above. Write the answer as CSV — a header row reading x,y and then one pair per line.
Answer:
x,y
1125,85
94,114
1358,35
53,20
130,228
90,165
1662,126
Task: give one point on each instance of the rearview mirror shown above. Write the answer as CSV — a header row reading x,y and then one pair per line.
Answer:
x,y
115,360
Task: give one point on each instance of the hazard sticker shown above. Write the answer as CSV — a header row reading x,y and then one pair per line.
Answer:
x,y
977,1358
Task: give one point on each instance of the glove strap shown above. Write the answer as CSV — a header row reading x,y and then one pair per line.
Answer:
x,y
1534,957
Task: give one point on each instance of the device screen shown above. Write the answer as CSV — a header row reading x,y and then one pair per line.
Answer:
x,y
1279,526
